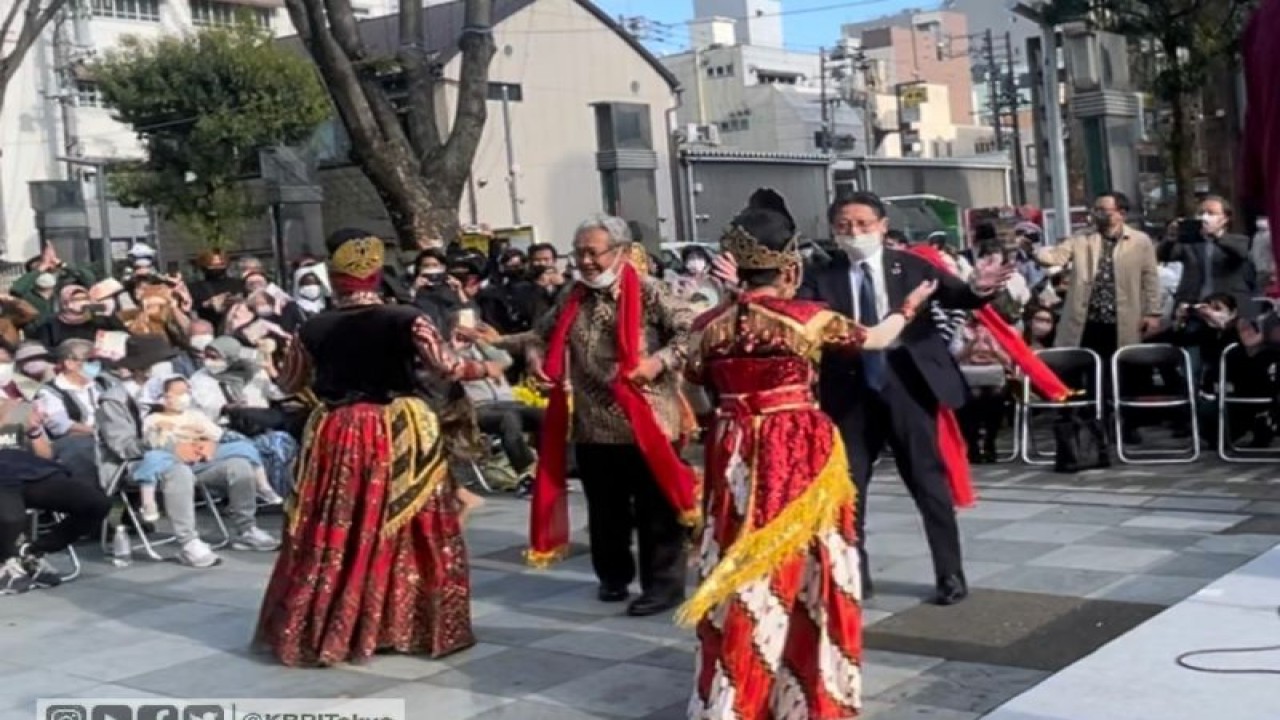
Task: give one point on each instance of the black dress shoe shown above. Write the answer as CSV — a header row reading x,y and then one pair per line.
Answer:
x,y
646,605
612,594
951,589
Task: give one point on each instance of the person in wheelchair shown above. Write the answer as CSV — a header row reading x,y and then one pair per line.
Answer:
x,y
30,479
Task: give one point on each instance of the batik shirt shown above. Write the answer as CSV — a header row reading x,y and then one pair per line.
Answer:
x,y
1102,301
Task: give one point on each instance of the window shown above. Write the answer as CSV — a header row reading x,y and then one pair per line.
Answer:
x,y
209,13
88,94
515,93
776,79
148,10
737,124
623,126
360,12
719,71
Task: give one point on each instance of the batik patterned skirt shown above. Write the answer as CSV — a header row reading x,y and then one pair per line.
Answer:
x,y
777,612
372,559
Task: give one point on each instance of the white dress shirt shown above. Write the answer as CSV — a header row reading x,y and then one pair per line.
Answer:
x,y
875,266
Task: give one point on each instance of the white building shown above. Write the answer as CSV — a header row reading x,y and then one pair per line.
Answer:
x,y
53,108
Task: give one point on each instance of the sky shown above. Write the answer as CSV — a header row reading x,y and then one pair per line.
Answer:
x,y
806,24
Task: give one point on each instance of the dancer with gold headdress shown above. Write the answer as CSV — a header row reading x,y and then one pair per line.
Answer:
x,y
373,556
778,609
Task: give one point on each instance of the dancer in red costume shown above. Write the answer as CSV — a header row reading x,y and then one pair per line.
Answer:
x,y
373,556
777,611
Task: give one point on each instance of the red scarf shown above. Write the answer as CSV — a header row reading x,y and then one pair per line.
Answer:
x,y
549,515
951,444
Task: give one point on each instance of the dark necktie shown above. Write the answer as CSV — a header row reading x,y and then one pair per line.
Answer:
x,y
873,368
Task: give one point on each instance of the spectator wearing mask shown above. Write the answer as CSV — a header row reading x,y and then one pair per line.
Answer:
x,y
310,291
45,274
173,420
1038,327
1263,261
35,367
696,261
270,304
120,435
76,319
31,480
467,271
190,357
1213,259
1113,298
1028,237
434,290
69,402
985,367
547,279
212,295
497,412
504,304
233,387
158,314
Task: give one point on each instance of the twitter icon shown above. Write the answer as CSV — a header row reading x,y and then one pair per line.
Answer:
x,y
202,712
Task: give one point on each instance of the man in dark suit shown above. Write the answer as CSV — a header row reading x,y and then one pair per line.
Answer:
x,y
892,397
1213,259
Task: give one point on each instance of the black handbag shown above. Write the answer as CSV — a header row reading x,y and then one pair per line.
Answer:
x,y
1081,441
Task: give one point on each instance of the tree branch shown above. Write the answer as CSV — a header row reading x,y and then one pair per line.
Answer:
x,y
472,111
33,23
424,133
9,18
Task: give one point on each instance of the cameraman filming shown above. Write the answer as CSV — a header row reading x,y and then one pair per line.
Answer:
x,y
1214,261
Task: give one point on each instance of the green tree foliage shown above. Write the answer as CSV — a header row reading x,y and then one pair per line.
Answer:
x,y
202,105
1187,38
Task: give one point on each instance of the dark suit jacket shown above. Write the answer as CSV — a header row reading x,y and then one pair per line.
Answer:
x,y
1230,268
920,356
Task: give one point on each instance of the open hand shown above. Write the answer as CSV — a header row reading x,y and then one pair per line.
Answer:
x,y
725,268
1250,336
990,273
1150,325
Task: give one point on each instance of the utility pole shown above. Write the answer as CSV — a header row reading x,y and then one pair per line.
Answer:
x,y
64,70
993,87
826,122
512,167
1015,106
697,86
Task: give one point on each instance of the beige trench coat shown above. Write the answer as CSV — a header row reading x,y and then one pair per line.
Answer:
x,y
1137,283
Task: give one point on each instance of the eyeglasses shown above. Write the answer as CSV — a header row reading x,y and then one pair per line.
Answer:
x,y
593,255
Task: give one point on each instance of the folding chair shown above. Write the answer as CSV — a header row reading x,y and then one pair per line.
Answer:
x,y
1080,369
123,488
37,525
1147,357
1228,450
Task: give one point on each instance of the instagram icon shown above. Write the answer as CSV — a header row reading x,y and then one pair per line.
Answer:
x,y
66,712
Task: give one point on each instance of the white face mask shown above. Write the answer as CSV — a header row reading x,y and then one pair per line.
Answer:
x,y
200,342
6,373
1211,222
180,403
310,292
604,280
696,266
860,247
46,281
217,367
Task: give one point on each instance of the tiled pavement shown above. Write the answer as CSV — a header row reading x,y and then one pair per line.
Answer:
x,y
1059,565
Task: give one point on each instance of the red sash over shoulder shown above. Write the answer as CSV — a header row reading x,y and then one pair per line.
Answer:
x,y
549,515
951,444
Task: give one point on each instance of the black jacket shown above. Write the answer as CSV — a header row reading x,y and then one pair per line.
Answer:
x,y
921,355
1230,267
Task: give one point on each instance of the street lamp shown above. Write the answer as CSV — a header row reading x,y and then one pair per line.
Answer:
x,y
1037,12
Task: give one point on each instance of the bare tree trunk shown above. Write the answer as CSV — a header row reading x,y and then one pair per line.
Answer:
x,y
419,174
1178,152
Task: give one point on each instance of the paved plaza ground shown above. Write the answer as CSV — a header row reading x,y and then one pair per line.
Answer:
x,y
1060,566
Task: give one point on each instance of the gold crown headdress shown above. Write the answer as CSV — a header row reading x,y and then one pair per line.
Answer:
x,y
750,254
360,258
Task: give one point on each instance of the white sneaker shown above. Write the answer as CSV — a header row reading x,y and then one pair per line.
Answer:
x,y
255,538
13,578
197,553
150,515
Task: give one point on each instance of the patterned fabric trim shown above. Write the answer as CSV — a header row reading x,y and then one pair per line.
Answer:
x,y
417,460
758,551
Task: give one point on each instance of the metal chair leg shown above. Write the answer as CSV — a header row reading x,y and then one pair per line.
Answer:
x,y
217,516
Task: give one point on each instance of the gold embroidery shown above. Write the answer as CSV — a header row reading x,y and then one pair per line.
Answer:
x,y
359,258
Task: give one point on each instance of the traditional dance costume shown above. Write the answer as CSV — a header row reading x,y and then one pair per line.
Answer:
x,y
373,555
777,612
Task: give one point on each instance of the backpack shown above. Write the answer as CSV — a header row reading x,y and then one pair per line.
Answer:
x,y
1081,441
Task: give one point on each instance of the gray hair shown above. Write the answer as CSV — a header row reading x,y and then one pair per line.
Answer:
x,y
617,228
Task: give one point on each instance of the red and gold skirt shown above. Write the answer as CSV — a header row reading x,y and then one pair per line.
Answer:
x,y
373,556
